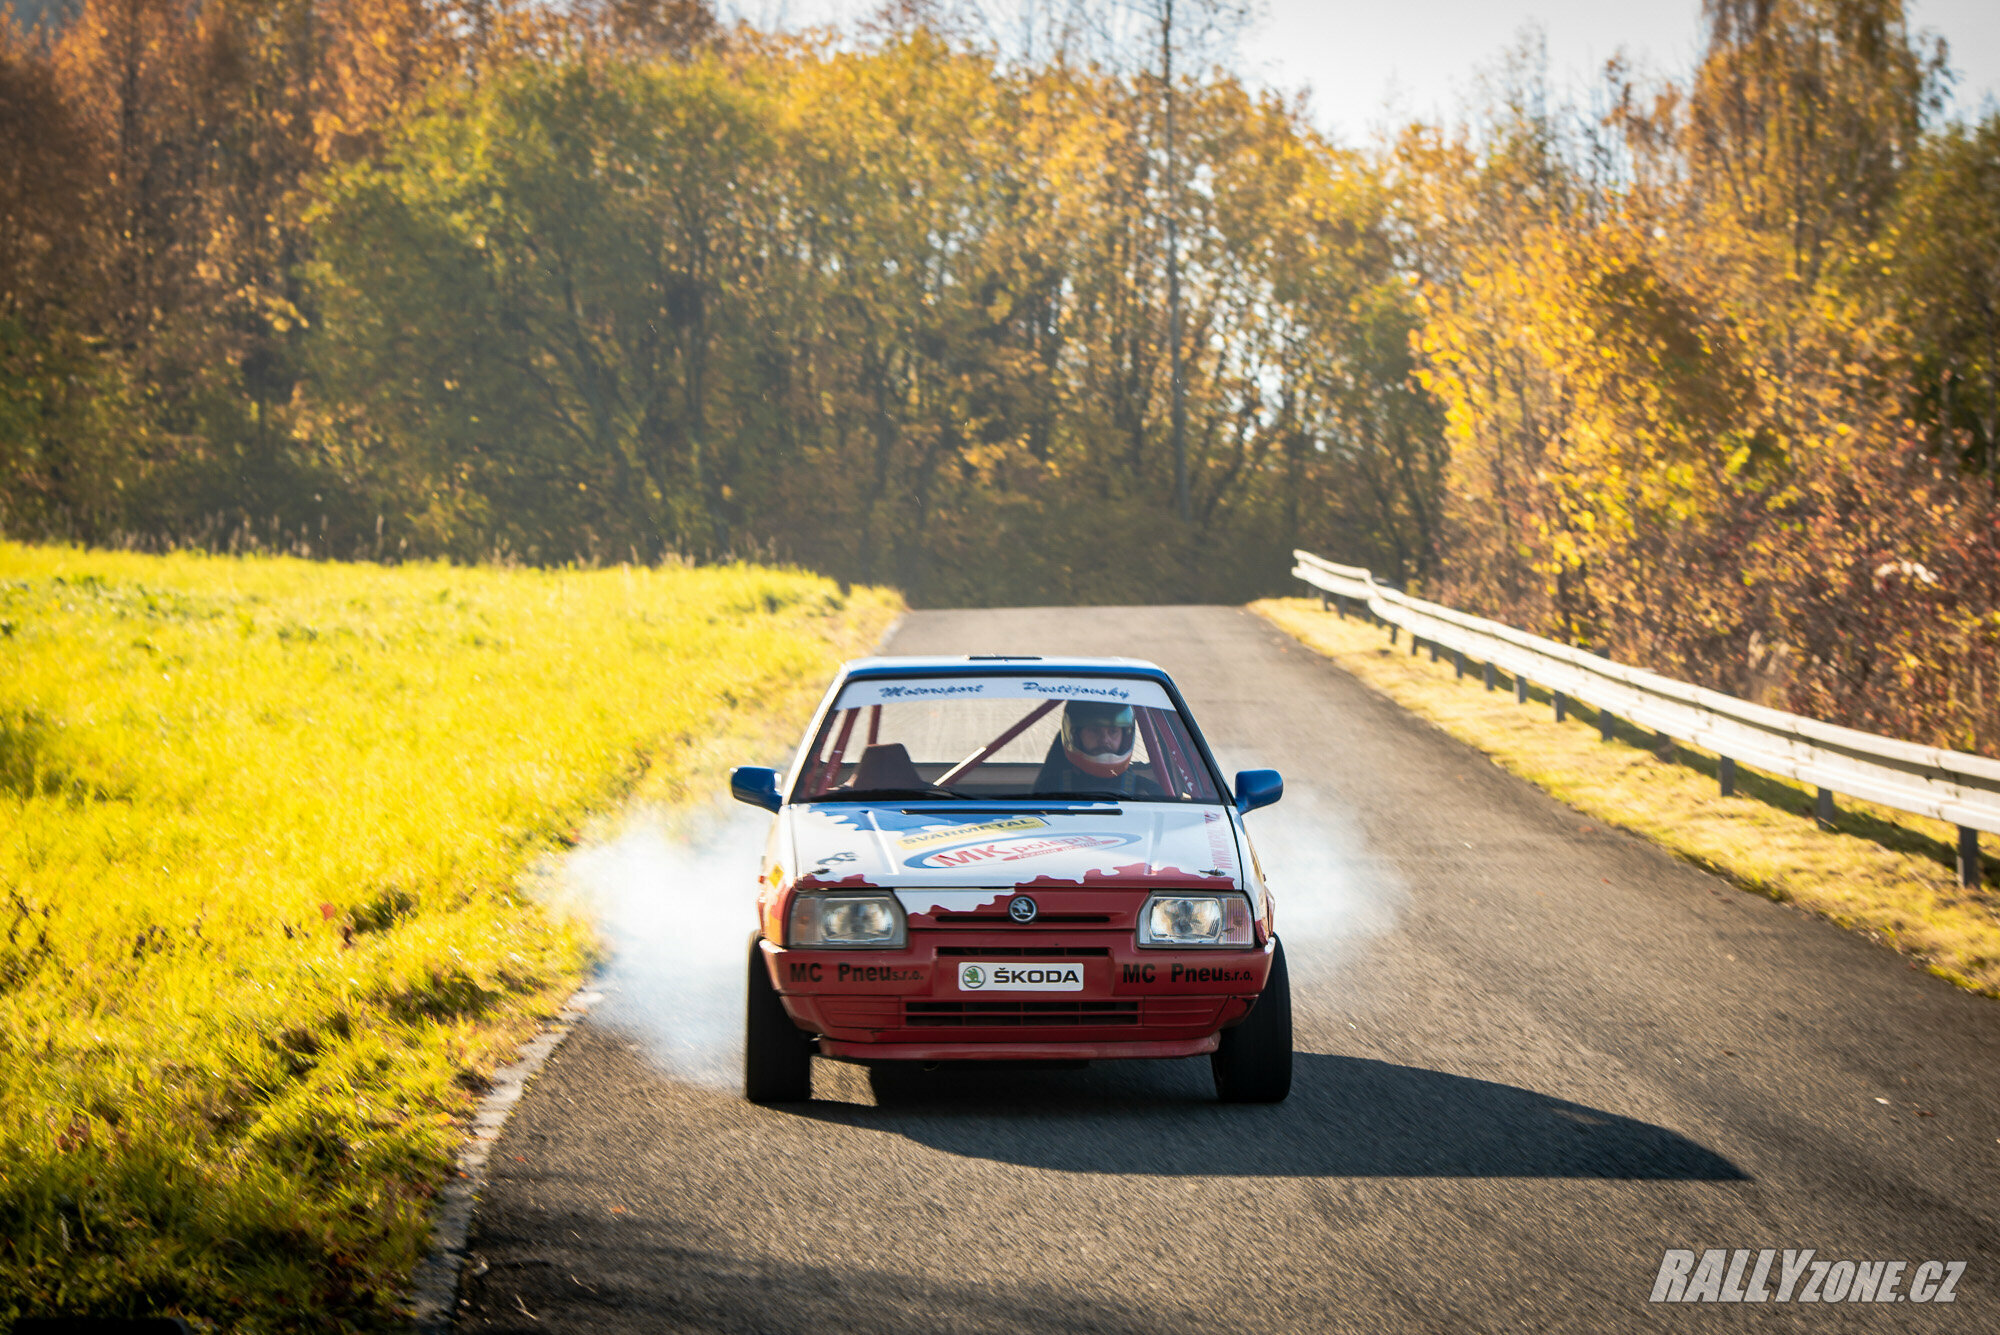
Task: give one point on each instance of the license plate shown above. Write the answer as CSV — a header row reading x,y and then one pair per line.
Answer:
x,y
980,976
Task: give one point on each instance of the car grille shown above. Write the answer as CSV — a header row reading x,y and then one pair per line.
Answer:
x,y
861,1012
1017,1014
1180,1012
1020,952
1002,920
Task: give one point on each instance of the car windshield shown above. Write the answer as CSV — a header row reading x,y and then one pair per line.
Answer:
x,y
1004,738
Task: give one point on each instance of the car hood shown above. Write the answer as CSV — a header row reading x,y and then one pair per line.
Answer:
x,y
1138,844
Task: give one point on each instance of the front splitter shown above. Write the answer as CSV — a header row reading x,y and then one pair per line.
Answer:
x,y
974,1052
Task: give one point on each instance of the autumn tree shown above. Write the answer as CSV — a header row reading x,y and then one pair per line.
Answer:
x,y
1942,284
1679,343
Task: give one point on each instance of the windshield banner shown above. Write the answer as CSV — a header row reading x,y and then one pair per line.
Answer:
x,y
912,690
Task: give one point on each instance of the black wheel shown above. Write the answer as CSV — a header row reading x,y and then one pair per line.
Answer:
x,y
1253,1063
777,1058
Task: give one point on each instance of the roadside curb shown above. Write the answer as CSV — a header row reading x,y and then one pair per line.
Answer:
x,y
433,1293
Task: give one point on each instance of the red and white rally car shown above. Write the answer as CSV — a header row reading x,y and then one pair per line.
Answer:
x,y
1013,859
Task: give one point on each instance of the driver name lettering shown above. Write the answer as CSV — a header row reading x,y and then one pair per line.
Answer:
x,y
1072,689
909,692
1219,842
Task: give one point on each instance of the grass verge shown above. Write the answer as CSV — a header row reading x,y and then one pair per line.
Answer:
x,y
261,932
1884,873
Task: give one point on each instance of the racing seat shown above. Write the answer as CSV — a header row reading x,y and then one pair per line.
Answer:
x,y
886,765
1055,769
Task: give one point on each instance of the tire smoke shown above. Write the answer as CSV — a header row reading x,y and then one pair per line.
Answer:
x,y
1333,895
674,897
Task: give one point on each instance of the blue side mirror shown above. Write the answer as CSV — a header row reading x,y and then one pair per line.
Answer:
x,y
755,785
1258,788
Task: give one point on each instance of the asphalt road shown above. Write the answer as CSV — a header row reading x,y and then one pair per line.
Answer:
x,y
1534,1054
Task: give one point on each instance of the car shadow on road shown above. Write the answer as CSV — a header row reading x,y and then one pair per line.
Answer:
x,y
609,1279
1346,1117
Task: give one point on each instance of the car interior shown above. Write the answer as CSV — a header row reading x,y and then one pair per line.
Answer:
x,y
882,768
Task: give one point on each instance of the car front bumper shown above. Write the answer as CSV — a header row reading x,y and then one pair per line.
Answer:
x,y
912,1004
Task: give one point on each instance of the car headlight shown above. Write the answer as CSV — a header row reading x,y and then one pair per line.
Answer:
x,y
862,921
1195,920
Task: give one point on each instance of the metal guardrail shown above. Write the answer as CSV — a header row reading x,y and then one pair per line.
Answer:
x,y
1951,786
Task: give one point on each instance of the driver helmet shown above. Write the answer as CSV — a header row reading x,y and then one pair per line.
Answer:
x,y
1098,737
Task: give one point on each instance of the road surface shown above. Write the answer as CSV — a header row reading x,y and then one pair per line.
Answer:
x,y
1533,1054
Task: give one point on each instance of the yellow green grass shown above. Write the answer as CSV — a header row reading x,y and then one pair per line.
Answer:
x,y
1885,873
263,825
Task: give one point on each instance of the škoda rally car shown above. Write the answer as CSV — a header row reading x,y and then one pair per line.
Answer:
x,y
1011,859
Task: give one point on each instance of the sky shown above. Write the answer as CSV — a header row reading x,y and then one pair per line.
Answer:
x,y
1423,54
1363,59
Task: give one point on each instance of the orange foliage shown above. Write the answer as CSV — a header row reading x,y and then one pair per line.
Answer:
x,y
1680,415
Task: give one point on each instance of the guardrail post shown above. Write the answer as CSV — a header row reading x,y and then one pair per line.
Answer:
x,y
1606,724
1393,628
1971,874
1489,676
1663,746
1434,651
1416,645
1325,600
1823,808
1458,664
1725,774
1520,689
1562,707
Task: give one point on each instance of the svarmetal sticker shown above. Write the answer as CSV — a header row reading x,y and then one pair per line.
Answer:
x,y
981,976
959,834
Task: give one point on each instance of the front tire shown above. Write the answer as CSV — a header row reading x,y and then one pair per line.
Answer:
x,y
1253,1062
777,1058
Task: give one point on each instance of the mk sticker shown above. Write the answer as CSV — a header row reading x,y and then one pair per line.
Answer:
x,y
1018,848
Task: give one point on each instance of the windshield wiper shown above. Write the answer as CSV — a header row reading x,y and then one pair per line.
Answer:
x,y
1088,795
888,794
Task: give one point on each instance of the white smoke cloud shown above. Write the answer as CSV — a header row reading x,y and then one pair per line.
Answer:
x,y
674,894
1333,894
674,897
